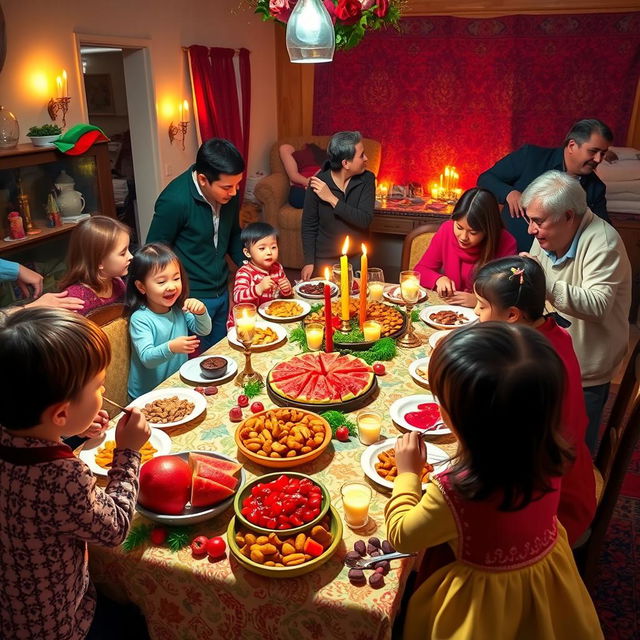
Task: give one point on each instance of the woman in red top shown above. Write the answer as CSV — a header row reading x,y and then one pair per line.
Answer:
x,y
513,290
474,235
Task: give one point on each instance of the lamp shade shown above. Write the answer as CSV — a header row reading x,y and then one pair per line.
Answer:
x,y
310,35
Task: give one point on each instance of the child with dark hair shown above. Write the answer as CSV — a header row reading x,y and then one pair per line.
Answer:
x,y
510,573
262,278
51,506
162,316
513,290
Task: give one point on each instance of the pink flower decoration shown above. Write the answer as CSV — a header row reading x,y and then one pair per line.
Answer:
x,y
281,9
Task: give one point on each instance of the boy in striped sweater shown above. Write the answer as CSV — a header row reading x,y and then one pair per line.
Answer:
x,y
262,278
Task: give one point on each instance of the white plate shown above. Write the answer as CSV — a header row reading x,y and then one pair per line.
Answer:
x,y
263,310
183,393
196,514
435,337
392,294
333,287
435,455
281,332
402,406
467,312
413,370
190,370
159,440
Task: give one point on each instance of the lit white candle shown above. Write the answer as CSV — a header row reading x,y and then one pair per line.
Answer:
x,y
245,326
376,289
65,91
410,288
185,111
371,330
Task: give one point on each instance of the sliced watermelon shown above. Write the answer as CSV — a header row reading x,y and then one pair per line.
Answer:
x,y
211,473
308,392
356,383
327,360
308,362
205,492
292,387
341,392
218,463
323,392
284,373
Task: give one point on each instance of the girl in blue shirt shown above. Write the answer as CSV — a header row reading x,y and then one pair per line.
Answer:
x,y
161,318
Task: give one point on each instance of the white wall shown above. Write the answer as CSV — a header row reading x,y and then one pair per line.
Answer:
x,y
38,49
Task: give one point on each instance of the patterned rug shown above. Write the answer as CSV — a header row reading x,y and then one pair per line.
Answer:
x,y
617,591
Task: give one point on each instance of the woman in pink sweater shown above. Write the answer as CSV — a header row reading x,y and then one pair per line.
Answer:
x,y
474,236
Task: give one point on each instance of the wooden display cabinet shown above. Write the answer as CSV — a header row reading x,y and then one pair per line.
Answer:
x,y
38,168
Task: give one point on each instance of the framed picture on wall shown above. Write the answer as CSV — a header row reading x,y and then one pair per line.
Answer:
x,y
99,92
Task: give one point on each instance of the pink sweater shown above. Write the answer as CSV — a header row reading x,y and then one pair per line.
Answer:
x,y
445,256
91,300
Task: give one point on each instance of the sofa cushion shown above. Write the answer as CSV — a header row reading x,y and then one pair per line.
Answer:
x,y
304,157
289,218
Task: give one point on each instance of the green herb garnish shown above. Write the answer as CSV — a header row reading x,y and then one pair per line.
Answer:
x,y
383,349
253,388
338,419
137,536
178,538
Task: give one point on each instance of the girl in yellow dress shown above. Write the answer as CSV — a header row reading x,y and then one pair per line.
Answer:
x,y
511,574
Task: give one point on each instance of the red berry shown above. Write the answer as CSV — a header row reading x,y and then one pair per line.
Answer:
x,y
199,389
158,535
378,369
342,434
257,407
199,546
235,414
210,391
243,401
216,547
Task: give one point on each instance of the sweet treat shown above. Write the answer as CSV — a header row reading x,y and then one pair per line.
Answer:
x,y
321,378
165,410
284,309
214,367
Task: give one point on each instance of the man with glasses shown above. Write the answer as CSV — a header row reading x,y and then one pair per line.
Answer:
x,y
583,150
588,277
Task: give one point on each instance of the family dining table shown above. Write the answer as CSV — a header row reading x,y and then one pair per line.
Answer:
x,y
185,598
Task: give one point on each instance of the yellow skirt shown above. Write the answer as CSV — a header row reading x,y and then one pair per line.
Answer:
x,y
546,601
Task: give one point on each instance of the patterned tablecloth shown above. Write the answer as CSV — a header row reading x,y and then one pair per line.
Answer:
x,y
188,599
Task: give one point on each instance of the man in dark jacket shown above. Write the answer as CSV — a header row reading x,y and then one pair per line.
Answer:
x,y
197,215
583,150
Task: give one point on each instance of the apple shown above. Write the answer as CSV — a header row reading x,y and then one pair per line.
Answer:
x,y
165,484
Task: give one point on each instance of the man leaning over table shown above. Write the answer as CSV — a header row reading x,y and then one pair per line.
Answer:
x,y
588,281
583,150
197,215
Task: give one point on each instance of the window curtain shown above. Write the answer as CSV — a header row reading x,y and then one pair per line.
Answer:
x,y
219,111
464,92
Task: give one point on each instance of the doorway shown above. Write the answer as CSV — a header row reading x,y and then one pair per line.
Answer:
x,y
119,98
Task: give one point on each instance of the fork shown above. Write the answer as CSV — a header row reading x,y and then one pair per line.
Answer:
x,y
362,563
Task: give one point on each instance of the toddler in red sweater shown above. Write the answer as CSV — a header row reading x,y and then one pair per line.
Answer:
x,y
513,290
262,278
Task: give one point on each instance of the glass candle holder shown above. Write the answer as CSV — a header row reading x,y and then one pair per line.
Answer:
x,y
314,332
376,283
356,498
371,330
410,294
369,427
244,318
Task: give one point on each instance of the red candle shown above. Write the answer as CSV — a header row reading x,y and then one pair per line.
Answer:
x,y
328,331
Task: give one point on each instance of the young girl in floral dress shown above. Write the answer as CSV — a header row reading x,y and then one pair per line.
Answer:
x,y
511,574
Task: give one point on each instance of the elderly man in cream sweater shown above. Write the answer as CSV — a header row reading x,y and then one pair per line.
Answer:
x,y
588,281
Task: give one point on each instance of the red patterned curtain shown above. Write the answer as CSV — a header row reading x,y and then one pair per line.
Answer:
x,y
464,92
218,111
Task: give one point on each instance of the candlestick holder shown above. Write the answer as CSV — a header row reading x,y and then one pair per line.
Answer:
x,y
248,374
57,106
409,291
178,132
345,326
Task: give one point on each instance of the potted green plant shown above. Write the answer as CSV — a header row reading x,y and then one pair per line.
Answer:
x,y
43,136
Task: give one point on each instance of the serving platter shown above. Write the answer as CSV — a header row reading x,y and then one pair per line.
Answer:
x,y
435,456
366,344
392,293
263,310
313,296
467,313
281,336
158,439
436,336
421,363
183,393
401,407
190,370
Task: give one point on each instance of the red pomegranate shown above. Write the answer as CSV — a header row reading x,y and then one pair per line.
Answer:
x,y
165,484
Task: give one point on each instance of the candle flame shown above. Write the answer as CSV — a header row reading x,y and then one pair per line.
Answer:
x,y
245,314
364,249
345,246
327,276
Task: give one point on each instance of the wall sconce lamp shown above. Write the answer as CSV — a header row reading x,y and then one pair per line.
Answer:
x,y
179,131
60,104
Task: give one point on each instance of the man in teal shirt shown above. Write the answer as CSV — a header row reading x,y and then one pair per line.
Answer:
x,y
197,215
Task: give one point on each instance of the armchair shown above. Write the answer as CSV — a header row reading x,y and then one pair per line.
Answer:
x,y
273,193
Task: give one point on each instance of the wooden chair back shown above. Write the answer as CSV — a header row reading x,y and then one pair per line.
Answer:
x,y
619,440
416,243
113,322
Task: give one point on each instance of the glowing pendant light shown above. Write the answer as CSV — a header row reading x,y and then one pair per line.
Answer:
x,y
310,35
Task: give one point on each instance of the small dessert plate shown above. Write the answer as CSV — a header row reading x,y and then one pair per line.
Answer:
x,y
191,372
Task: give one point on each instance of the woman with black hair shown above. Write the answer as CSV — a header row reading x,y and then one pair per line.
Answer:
x,y
339,202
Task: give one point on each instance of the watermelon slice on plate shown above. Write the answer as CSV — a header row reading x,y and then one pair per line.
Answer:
x,y
218,463
205,492
211,473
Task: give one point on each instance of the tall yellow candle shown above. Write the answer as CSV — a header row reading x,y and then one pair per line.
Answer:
x,y
364,265
344,281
